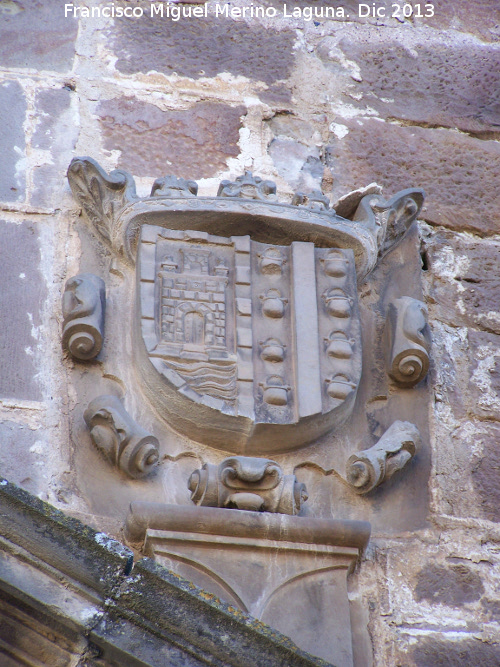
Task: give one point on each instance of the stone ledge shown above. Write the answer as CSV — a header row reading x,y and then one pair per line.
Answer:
x,y
146,616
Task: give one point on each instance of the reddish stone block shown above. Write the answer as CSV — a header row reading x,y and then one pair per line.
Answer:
x,y
478,17
37,34
464,281
452,586
196,47
194,143
486,476
438,651
460,175
435,86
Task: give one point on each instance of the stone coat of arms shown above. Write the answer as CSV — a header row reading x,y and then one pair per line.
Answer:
x,y
247,308
257,329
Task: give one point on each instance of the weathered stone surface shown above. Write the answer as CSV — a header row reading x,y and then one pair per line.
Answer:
x,y
479,17
19,452
492,608
438,652
50,104
12,142
194,143
460,175
483,389
286,126
464,280
435,86
453,83
486,473
203,47
21,299
350,7
453,586
297,164
56,133
36,34
277,95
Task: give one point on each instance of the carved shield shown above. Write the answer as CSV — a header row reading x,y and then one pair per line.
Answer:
x,y
254,347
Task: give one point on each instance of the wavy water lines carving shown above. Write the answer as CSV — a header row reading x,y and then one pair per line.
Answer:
x,y
216,380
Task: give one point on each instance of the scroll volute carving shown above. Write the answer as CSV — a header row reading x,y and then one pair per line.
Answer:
x,y
123,442
83,306
408,341
245,483
369,468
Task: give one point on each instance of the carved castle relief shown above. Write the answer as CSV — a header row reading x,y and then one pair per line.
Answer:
x,y
270,346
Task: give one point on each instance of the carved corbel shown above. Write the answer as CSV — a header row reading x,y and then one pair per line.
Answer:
x,y
102,197
407,335
83,306
371,467
123,442
245,483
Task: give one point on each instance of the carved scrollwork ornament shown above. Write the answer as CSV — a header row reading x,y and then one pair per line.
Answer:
x,y
314,201
246,483
369,468
408,341
389,220
119,438
248,186
171,186
83,306
102,196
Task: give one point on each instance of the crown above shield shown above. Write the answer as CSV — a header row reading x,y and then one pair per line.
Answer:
x,y
246,206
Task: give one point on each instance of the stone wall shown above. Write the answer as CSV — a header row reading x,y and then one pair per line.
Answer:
x,y
335,104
